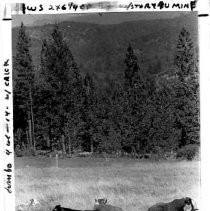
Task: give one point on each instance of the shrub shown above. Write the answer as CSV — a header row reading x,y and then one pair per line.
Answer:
x,y
188,152
25,152
31,152
19,153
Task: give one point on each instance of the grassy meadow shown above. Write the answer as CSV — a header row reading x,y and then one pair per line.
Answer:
x,y
127,183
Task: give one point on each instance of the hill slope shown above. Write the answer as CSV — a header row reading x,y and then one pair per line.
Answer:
x,y
101,48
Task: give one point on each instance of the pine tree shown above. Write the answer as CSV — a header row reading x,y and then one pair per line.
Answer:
x,y
163,135
89,113
185,55
132,66
187,90
23,91
135,95
63,85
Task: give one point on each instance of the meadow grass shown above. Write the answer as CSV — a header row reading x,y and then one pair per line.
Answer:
x,y
130,184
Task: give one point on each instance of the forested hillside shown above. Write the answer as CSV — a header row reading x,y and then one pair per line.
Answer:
x,y
100,48
129,87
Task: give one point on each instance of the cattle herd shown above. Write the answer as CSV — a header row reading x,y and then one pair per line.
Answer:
x,y
183,204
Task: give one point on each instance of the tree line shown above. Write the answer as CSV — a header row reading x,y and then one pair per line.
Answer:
x,y
55,107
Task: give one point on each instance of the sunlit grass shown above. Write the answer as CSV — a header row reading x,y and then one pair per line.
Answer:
x,y
133,187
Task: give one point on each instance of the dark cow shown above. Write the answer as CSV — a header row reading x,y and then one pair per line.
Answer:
x,y
101,205
59,208
107,207
184,204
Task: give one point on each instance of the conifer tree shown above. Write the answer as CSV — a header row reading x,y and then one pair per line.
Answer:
x,y
185,55
89,113
135,93
63,84
132,66
187,90
23,90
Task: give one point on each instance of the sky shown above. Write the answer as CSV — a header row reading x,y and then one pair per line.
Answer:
x,y
106,18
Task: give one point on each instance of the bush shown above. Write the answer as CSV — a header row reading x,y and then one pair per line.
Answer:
x,y
19,153
25,152
30,152
188,152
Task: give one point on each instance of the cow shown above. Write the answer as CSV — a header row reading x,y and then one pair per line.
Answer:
x,y
183,204
59,208
101,205
101,201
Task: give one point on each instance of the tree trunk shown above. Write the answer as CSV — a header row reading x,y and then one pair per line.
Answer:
x,y
30,133
27,138
32,120
91,146
134,154
48,141
138,148
63,144
69,139
50,134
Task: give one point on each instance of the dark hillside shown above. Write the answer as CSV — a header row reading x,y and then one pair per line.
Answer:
x,y
101,48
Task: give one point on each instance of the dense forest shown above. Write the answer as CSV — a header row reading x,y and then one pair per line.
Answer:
x,y
59,107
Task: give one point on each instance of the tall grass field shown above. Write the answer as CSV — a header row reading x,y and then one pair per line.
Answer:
x,y
128,183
